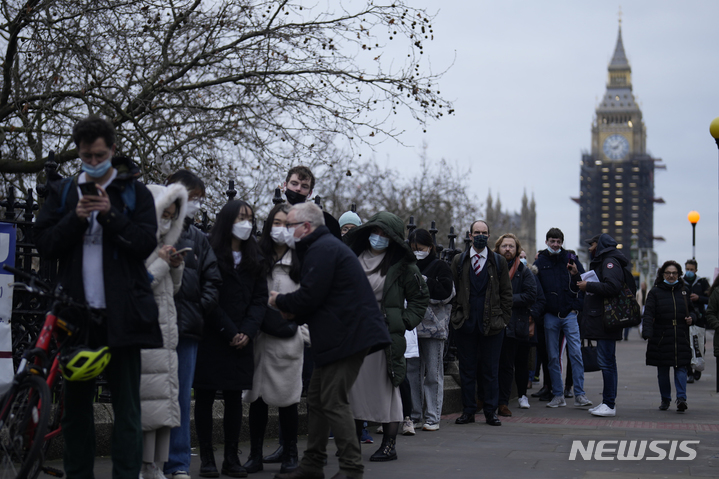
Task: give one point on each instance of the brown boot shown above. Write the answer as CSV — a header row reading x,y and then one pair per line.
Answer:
x,y
504,411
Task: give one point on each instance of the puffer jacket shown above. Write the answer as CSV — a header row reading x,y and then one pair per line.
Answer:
x,y
669,344
608,263
201,283
712,317
438,275
403,282
524,295
159,384
498,300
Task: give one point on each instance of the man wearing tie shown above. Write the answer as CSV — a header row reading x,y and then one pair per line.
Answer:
x,y
480,312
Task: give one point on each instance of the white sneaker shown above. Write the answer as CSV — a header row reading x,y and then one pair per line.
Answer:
x,y
592,409
557,401
523,402
151,471
380,430
181,475
604,411
430,427
582,401
408,427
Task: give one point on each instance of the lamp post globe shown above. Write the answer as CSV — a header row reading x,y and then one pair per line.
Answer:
x,y
693,218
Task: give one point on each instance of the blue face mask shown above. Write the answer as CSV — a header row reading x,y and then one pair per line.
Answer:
x,y
523,261
690,275
671,283
378,243
97,171
553,251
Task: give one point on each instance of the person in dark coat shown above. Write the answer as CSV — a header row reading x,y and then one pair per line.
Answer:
x,y
197,298
536,334
665,323
524,294
101,241
337,303
608,263
698,291
225,359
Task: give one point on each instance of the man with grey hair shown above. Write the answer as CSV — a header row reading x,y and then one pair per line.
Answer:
x,y
336,301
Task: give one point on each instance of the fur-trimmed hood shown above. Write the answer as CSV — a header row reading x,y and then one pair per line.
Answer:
x,y
164,196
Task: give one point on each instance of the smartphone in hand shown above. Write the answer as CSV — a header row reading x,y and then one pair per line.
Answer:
x,y
572,258
88,189
180,251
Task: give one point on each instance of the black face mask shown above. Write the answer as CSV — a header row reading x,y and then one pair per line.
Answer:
x,y
480,242
293,197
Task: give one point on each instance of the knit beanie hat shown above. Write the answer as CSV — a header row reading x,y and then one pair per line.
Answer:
x,y
351,218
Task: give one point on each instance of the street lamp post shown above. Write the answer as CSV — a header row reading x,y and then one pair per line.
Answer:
x,y
693,218
714,130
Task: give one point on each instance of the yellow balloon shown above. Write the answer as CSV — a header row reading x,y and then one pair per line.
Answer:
x,y
714,128
693,217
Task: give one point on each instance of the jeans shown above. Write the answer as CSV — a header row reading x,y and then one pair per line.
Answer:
x,y
680,382
179,459
553,325
78,420
607,359
479,361
426,379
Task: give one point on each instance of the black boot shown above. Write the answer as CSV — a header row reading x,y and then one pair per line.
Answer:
x,y
275,457
386,451
254,462
231,466
290,459
207,458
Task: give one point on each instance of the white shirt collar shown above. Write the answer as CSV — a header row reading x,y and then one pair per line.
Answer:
x,y
482,254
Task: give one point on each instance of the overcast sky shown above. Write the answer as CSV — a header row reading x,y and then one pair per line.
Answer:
x,y
525,83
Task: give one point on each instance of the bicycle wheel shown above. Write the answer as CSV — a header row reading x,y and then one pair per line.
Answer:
x,y
23,422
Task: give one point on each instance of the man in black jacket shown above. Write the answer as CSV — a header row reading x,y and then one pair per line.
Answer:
x,y
336,301
698,290
197,297
299,184
608,263
102,241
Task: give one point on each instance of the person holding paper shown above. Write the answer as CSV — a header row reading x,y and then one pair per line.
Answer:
x,y
606,280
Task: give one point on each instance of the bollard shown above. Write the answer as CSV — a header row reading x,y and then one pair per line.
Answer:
x,y
353,207
411,226
277,199
433,231
318,202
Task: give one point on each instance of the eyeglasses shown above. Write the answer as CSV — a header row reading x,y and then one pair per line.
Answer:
x,y
671,273
288,225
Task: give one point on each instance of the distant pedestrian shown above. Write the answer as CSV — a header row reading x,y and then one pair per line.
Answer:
x,y
698,291
667,316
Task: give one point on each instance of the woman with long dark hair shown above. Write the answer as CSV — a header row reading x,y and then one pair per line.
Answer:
x,y
225,359
667,316
389,264
278,349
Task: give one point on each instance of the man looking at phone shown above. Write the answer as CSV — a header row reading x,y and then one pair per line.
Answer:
x,y
559,273
101,226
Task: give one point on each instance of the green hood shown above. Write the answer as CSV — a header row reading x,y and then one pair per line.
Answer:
x,y
391,224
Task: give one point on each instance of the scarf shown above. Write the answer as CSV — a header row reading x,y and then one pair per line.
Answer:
x,y
513,269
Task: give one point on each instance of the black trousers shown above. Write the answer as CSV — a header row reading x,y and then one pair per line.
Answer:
x,y
478,357
232,420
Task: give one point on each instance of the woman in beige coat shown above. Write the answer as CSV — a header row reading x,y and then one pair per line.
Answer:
x,y
159,384
277,380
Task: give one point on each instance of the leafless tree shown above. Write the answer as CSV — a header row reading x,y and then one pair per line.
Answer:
x,y
227,88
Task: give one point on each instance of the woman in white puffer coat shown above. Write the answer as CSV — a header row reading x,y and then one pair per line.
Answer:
x,y
159,384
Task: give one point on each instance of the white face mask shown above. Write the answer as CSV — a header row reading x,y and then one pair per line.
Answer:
x,y
242,230
192,208
279,234
291,240
421,254
164,226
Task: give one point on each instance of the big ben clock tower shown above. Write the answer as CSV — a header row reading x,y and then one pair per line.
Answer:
x,y
617,176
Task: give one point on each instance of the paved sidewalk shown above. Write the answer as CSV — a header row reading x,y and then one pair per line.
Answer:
x,y
535,443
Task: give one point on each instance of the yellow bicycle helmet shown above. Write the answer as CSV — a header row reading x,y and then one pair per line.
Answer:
x,y
83,363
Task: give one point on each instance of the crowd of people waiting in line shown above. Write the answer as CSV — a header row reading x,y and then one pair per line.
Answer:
x,y
237,313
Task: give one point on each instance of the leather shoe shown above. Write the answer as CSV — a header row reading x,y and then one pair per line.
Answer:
x,y
464,419
504,411
299,473
544,390
493,420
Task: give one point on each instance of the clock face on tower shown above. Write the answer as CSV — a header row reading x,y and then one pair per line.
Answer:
x,y
616,147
